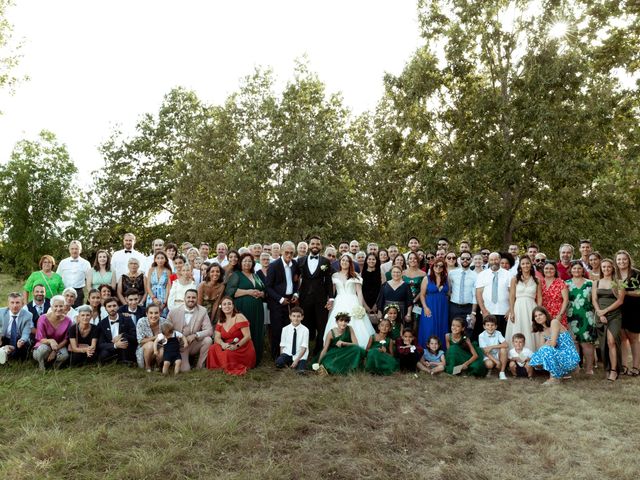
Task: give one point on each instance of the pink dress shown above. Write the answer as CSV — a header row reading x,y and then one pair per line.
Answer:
x,y
46,330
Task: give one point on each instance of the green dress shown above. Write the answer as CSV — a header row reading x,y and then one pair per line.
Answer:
x,y
381,363
396,331
343,360
457,354
53,285
580,314
250,307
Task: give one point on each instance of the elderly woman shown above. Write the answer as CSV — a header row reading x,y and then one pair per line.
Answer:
x,y
148,329
101,272
52,282
265,260
132,279
247,291
83,338
70,295
52,335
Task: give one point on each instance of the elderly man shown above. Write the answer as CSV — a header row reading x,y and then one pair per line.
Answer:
x,y
385,267
120,259
221,255
492,291
372,247
564,265
73,271
301,250
15,325
193,322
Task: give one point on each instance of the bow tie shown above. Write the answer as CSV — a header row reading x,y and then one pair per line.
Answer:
x,y
314,257
127,251
113,321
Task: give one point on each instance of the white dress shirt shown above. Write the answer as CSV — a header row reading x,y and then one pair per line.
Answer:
x,y
120,261
302,340
485,279
312,263
115,328
223,263
288,275
74,272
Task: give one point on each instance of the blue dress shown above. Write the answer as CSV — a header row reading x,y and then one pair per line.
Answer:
x,y
159,288
438,323
559,360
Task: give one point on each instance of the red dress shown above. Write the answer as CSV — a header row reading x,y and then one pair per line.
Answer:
x,y
234,362
552,298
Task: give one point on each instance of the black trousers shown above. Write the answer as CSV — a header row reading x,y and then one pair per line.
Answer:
x,y
279,317
19,353
315,319
80,298
120,355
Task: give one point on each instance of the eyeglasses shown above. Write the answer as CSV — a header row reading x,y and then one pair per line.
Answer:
x,y
430,257
438,266
465,259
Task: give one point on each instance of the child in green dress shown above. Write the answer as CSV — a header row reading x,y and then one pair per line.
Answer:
x,y
380,359
341,353
391,312
462,353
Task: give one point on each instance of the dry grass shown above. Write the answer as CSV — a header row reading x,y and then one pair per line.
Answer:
x,y
116,423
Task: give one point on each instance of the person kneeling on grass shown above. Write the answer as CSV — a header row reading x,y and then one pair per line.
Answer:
x,y
117,336
172,341
408,351
380,359
519,357
294,343
341,353
462,355
558,355
433,359
494,346
52,335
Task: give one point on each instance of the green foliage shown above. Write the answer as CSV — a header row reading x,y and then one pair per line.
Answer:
x,y
8,49
36,199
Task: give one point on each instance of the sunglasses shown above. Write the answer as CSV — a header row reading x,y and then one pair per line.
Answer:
x,y
465,259
485,254
430,257
451,258
438,266
539,260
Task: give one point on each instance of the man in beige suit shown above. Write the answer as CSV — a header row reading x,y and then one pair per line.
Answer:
x,y
193,322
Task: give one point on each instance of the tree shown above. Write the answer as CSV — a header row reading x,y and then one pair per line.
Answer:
x,y
36,199
8,51
512,131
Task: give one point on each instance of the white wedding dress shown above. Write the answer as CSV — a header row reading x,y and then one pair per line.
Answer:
x,y
345,302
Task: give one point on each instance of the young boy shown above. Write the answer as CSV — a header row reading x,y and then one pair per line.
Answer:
x,y
132,310
519,357
494,346
294,343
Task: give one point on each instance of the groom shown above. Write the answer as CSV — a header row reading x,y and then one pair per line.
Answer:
x,y
316,291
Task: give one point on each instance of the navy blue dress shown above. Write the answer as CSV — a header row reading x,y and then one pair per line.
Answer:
x,y
438,323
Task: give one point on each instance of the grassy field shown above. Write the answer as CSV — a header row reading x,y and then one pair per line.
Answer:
x,y
115,423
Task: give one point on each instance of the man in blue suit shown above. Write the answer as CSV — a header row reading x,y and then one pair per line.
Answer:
x,y
15,328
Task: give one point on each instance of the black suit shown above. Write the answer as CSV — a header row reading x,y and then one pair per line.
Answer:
x,y
315,291
107,351
276,286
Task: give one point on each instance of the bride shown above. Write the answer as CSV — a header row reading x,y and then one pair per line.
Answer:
x,y
348,287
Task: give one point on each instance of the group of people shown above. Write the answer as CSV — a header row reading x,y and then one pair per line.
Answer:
x,y
333,310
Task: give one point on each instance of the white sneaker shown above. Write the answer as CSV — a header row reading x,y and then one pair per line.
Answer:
x,y
3,356
502,376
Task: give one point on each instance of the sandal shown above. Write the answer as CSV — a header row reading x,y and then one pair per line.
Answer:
x,y
634,372
624,370
609,377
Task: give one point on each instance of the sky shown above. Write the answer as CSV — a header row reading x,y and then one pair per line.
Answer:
x,y
95,66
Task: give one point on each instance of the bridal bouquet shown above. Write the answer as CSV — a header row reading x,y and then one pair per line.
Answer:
x,y
358,312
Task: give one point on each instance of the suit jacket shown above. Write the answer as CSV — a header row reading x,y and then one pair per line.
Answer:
x,y
125,328
34,312
200,321
319,286
25,323
276,282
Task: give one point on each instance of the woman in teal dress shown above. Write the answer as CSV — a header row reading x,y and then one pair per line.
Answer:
x,y
380,359
460,351
341,353
580,314
413,276
247,291
101,273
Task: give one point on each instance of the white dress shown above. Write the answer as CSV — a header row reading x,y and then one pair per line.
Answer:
x,y
345,302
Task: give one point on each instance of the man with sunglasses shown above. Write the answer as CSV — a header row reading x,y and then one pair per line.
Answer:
x,y
462,281
443,244
538,264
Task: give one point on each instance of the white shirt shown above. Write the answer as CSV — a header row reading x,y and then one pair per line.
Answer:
x,y
177,293
521,357
223,263
312,263
287,274
188,315
120,262
485,279
144,266
74,272
115,328
302,340
486,340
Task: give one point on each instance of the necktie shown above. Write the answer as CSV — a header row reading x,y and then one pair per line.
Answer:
x,y
494,288
39,310
293,344
461,299
14,331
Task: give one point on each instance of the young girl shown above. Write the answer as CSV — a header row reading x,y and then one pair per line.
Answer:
x,y
391,312
408,351
433,359
171,340
341,353
380,359
558,355
460,351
